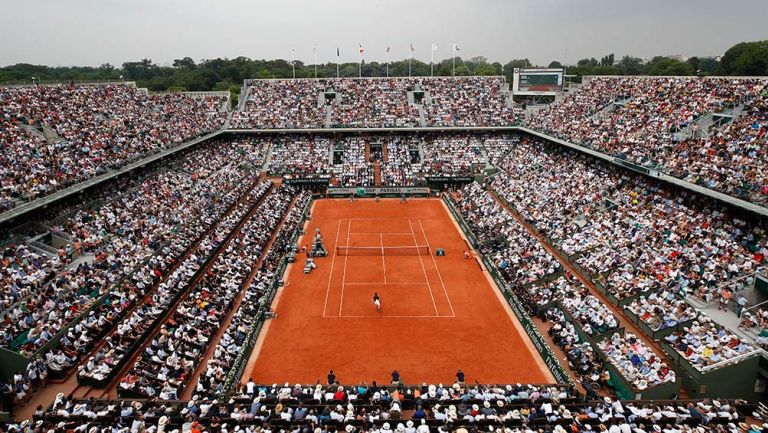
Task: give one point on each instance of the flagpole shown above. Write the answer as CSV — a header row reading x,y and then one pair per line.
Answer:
x,y
453,64
360,65
409,60
314,51
337,61
432,61
387,62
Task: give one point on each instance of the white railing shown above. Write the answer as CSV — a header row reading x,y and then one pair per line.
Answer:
x,y
734,360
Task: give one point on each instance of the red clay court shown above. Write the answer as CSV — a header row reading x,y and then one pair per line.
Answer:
x,y
438,313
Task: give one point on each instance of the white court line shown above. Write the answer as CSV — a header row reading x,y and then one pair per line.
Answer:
x,y
379,219
372,316
424,270
439,275
383,264
389,284
333,260
344,275
381,233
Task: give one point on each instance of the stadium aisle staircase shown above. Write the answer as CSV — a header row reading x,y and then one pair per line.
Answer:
x,y
368,152
377,173
384,152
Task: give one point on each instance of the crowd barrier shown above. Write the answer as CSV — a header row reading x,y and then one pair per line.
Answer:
x,y
656,334
380,191
732,378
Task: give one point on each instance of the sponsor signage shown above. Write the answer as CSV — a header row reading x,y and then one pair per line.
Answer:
x,y
373,190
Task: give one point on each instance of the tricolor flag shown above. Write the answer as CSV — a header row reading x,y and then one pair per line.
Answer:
x,y
361,49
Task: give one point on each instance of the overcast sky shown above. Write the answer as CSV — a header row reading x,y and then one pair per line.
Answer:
x,y
92,32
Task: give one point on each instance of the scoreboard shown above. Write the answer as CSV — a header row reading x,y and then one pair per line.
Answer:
x,y
537,82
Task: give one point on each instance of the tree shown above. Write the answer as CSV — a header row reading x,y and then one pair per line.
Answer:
x,y
587,62
462,70
667,66
746,58
185,63
139,70
555,64
483,69
607,60
709,66
694,62
630,65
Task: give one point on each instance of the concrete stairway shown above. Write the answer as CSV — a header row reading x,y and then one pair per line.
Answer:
x,y
328,117
377,173
50,135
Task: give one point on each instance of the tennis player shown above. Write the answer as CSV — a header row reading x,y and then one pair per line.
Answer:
x,y
377,301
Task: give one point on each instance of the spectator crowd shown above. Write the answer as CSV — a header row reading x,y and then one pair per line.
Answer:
x,y
705,130
54,136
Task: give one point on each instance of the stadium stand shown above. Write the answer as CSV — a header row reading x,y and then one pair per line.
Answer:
x,y
467,101
646,247
375,103
159,282
134,240
704,130
423,409
54,136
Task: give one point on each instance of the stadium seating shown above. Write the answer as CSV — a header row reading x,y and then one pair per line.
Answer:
x,y
166,365
166,276
135,239
633,236
428,408
375,103
707,131
54,136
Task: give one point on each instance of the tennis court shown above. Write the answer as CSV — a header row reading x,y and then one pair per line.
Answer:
x,y
438,314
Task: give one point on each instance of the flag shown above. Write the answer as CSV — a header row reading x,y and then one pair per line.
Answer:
x,y
387,49
361,49
412,49
455,47
293,53
434,47
337,53
314,48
